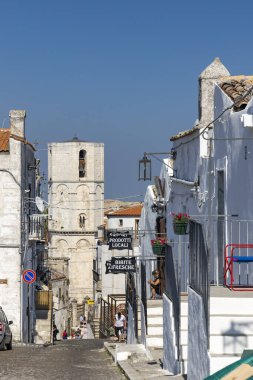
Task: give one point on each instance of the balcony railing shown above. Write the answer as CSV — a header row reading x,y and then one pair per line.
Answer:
x,y
37,223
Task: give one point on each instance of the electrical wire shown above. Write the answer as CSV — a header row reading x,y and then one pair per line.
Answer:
x,y
214,121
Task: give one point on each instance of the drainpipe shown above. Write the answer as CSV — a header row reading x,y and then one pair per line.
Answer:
x,y
184,182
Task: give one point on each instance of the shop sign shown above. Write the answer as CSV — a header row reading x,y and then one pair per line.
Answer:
x,y
119,240
120,265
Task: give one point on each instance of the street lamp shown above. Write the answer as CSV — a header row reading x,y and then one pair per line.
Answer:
x,y
145,165
145,169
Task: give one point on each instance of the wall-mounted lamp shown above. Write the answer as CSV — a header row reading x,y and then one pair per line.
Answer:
x,y
145,169
158,208
145,165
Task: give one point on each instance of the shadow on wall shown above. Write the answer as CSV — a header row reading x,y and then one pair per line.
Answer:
x,y
234,339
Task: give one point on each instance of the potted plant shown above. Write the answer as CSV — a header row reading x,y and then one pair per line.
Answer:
x,y
159,246
180,223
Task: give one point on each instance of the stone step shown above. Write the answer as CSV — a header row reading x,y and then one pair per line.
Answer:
x,y
152,341
155,330
233,306
154,311
154,303
154,320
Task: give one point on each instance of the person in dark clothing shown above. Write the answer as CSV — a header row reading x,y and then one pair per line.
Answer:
x,y
155,285
55,332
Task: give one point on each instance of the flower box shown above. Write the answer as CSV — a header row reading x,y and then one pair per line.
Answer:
x,y
181,228
159,247
180,223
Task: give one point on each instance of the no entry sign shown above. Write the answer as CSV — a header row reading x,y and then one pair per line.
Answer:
x,y
29,276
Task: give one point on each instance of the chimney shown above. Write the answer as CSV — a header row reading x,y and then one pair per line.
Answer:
x,y
207,80
17,122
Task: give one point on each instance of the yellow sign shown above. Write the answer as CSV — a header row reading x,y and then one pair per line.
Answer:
x,y
90,302
3,281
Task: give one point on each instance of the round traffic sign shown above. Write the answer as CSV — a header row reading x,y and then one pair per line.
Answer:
x,y
29,276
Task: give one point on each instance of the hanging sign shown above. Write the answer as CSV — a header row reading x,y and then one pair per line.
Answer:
x,y
120,265
119,240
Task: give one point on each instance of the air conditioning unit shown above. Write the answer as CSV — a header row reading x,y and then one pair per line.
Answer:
x,y
247,120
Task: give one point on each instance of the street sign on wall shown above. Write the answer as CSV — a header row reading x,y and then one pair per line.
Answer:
x,y
119,240
120,265
29,276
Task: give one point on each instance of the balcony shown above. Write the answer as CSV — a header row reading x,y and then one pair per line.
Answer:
x,y
43,299
37,227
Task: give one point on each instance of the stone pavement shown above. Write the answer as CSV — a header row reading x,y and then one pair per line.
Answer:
x,y
137,363
66,360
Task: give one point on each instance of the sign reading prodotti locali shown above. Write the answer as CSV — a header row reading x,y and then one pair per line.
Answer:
x,y
119,240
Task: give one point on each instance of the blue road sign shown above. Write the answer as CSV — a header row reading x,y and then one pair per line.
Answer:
x,y
29,276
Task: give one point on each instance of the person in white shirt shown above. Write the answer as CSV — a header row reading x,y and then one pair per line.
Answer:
x,y
120,324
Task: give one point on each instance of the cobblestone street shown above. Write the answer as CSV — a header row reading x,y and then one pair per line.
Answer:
x,y
71,359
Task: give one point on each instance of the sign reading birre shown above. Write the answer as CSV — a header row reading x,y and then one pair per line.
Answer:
x,y
120,265
119,240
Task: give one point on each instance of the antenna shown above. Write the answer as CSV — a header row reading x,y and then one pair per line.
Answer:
x,y
40,204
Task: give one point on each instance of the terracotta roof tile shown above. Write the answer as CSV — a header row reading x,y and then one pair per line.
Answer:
x,y
5,135
130,211
235,87
4,140
184,133
55,275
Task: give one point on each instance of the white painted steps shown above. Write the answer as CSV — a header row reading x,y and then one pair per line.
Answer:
x,y
154,336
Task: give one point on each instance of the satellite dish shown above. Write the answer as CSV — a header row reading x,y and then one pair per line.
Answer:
x,y
40,204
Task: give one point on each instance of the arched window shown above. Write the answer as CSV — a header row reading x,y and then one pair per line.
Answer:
x,y
82,163
82,221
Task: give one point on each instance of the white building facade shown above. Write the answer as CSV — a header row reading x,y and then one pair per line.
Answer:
x,y
17,250
125,220
209,179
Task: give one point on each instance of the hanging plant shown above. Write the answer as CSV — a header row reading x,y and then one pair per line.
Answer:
x,y
180,223
159,246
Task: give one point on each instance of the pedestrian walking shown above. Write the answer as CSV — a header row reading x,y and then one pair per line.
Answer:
x,y
120,325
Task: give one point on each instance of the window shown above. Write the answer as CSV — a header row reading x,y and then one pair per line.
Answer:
x,y
81,220
136,228
82,163
161,227
120,222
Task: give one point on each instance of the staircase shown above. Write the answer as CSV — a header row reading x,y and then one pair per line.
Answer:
x,y
95,327
184,332
154,338
231,326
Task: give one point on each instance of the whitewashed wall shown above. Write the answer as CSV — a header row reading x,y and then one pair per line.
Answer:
x,y
198,358
15,248
170,362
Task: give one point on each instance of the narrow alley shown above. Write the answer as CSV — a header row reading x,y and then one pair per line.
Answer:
x,y
70,359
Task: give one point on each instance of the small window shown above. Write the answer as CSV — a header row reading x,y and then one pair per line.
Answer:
x,y
120,222
136,228
82,221
82,163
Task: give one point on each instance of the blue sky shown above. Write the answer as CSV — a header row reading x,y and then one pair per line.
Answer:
x,y
120,72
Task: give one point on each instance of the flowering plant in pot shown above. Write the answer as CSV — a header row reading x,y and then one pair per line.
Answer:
x,y
180,223
159,246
